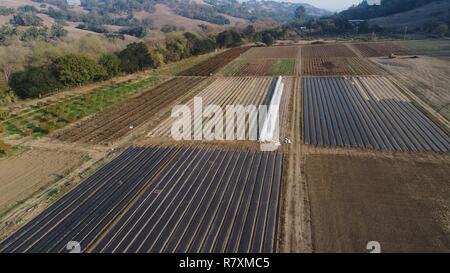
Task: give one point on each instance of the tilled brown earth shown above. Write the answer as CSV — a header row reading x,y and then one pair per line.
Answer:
x,y
118,121
402,204
251,68
381,49
214,64
338,66
326,51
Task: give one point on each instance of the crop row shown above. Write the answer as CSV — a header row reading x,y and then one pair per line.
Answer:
x,y
261,67
118,121
234,91
214,64
46,117
169,199
326,51
381,49
338,66
279,52
366,112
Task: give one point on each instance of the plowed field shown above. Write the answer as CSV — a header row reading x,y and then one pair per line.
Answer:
x,y
338,66
118,121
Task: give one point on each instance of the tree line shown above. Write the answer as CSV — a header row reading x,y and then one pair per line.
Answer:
x,y
71,70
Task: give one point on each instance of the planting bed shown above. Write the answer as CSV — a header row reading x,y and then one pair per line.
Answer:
x,y
214,64
279,52
381,49
338,66
366,112
44,118
326,51
165,200
261,67
116,122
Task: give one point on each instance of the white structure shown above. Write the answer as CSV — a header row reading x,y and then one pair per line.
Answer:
x,y
374,2
74,2
270,129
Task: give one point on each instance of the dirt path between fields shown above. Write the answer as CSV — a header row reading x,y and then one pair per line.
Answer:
x,y
294,222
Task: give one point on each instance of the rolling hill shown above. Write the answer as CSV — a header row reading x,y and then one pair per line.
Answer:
x,y
99,16
431,14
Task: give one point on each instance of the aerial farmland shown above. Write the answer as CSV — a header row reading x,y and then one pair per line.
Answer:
x,y
363,154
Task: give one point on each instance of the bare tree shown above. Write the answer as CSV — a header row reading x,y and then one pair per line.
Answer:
x,y
12,58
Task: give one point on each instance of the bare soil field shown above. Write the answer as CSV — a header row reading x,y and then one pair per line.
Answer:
x,y
214,64
381,49
338,66
326,51
402,204
26,173
279,52
118,121
426,77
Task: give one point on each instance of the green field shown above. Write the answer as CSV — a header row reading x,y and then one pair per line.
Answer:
x,y
43,118
283,67
438,48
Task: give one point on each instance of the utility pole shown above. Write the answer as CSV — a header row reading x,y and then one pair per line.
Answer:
x,y
404,35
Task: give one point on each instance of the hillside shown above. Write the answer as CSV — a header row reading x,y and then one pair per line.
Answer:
x,y
387,7
280,11
134,17
430,14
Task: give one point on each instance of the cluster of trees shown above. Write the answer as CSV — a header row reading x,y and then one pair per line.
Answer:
x,y
387,7
68,70
33,33
6,11
119,6
96,20
279,11
76,69
26,19
170,28
200,12
339,22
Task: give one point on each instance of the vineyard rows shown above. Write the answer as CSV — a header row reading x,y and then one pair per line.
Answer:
x,y
261,67
165,200
212,65
326,51
279,52
366,112
338,66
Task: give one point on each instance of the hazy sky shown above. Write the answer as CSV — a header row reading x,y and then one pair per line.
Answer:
x,y
332,5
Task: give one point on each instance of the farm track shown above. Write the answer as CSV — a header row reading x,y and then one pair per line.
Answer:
x,y
380,49
366,112
169,199
338,67
114,123
326,51
214,64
